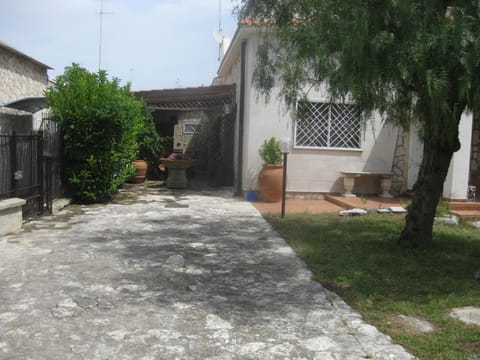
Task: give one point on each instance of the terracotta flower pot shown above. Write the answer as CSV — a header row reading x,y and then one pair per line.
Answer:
x,y
270,183
141,167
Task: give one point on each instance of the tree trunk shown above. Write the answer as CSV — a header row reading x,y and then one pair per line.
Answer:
x,y
428,189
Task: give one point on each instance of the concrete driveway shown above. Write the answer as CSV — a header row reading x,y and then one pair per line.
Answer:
x,y
164,275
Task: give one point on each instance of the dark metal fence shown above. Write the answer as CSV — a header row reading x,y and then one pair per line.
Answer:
x,y
30,168
53,155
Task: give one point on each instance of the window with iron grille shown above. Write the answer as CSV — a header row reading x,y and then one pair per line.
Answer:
x,y
190,128
327,125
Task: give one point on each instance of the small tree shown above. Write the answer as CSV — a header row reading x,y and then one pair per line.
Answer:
x,y
100,121
417,62
270,152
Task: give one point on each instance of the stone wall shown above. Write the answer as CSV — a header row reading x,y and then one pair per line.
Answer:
x,y
20,77
193,145
400,163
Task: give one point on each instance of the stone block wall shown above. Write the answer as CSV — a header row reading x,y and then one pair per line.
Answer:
x,y
19,77
192,145
400,163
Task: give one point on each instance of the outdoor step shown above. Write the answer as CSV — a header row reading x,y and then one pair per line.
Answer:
x,y
464,205
370,202
467,215
337,200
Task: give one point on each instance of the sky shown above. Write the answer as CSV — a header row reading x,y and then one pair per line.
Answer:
x,y
153,44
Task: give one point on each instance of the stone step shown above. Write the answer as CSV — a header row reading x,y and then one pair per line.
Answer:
x,y
371,202
464,205
467,215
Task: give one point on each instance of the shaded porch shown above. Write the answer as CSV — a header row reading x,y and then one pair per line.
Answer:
x,y
197,123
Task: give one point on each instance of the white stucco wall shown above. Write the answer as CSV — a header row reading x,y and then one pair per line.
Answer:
x,y
309,170
456,183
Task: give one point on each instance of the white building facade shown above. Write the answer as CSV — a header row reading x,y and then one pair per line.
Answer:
x,y
334,139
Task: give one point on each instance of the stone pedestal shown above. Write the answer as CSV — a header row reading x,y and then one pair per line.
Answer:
x,y
348,184
177,172
177,178
11,215
386,185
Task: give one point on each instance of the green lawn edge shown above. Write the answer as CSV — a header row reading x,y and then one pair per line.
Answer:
x,y
359,259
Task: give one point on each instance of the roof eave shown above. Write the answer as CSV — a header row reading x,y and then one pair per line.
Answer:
x,y
242,33
29,58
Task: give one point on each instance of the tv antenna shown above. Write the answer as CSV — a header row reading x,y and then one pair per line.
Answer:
x,y
219,35
101,13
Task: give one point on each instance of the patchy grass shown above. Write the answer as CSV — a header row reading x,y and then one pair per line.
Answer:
x,y
359,259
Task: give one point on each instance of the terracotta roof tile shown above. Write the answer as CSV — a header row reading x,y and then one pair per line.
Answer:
x,y
257,21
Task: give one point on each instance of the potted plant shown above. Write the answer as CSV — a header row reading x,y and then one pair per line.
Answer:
x,y
149,147
271,175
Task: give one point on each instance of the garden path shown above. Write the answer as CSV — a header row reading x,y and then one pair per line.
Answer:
x,y
158,274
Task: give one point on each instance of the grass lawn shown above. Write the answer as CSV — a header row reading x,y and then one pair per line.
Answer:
x,y
359,259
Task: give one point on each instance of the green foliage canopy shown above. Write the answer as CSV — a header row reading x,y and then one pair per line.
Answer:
x,y
414,60
100,121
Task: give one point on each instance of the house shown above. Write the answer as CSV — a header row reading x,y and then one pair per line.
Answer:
x,y
332,142
23,81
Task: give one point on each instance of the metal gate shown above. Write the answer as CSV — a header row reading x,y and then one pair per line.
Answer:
x,y
27,170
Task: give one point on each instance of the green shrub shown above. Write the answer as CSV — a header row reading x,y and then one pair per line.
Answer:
x,y
149,142
270,152
100,122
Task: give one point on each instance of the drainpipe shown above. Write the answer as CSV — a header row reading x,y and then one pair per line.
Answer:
x,y
241,118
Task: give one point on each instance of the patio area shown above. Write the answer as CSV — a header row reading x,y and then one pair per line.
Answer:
x,y
330,204
465,210
162,274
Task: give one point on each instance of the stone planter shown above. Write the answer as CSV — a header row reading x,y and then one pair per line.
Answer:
x,y
11,215
177,172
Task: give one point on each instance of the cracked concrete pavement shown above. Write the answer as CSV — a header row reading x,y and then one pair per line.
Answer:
x,y
157,274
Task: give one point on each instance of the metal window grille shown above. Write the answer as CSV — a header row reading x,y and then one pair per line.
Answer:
x,y
190,128
325,125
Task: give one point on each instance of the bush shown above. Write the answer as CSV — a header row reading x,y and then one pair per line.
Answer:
x,y
270,152
100,122
149,142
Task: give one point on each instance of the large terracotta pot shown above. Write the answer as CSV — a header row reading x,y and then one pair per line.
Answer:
x,y
270,183
141,167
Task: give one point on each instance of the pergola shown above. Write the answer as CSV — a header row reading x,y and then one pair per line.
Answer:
x,y
189,99
215,107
